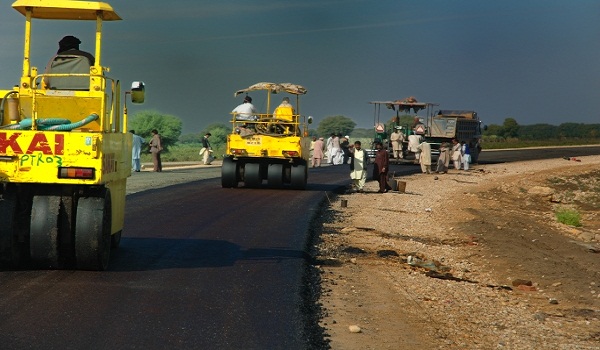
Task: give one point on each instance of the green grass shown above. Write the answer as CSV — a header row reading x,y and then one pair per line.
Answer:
x,y
568,216
515,143
187,152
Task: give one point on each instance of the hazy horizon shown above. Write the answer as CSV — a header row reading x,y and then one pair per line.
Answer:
x,y
508,59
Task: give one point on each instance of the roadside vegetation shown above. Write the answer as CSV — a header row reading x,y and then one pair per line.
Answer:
x,y
185,147
579,198
568,216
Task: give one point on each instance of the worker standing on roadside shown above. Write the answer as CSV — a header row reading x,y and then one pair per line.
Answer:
x,y
397,138
413,145
156,149
443,159
136,150
425,157
465,153
382,163
456,156
358,166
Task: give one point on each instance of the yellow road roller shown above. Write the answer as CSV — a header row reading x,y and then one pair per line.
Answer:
x,y
65,153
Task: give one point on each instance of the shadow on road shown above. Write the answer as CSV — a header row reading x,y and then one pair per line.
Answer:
x,y
147,254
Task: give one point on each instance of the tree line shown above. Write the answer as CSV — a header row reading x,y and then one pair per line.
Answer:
x,y
510,129
170,128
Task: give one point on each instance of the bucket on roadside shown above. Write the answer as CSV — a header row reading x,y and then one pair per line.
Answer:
x,y
400,186
397,185
393,183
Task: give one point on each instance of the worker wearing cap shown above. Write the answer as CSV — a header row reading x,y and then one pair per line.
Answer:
x,y
69,60
69,45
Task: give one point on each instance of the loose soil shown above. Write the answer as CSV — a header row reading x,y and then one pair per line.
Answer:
x,y
465,260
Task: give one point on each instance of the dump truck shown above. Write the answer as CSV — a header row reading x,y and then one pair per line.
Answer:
x,y
65,153
463,125
268,146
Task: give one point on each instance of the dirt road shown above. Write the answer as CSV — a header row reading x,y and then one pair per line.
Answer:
x,y
466,260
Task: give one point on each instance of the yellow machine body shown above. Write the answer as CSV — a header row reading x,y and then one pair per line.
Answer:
x,y
269,146
63,143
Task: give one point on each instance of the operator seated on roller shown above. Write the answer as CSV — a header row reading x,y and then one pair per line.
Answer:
x,y
69,59
245,111
285,113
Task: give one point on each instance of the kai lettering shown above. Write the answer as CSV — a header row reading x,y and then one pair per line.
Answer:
x,y
39,143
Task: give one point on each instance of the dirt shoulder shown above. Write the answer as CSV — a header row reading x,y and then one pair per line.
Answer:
x,y
470,260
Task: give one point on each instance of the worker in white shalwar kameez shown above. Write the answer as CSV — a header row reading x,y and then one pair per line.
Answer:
x,y
396,138
413,145
336,151
328,147
358,167
425,157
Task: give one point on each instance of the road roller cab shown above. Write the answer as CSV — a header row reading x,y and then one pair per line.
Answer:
x,y
271,146
65,153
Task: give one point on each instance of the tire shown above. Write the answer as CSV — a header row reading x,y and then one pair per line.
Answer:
x,y
44,231
275,175
9,249
252,175
298,176
229,171
92,233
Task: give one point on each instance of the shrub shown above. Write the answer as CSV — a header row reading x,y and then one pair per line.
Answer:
x,y
568,216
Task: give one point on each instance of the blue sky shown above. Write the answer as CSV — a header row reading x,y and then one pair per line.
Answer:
x,y
536,61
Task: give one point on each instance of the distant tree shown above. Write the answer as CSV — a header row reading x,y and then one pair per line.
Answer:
x,y
362,133
577,130
494,130
538,132
168,126
407,120
510,128
335,124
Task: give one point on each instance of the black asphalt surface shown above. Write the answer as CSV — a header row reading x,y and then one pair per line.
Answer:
x,y
513,155
199,267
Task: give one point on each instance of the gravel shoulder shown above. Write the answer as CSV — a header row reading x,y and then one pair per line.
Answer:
x,y
466,260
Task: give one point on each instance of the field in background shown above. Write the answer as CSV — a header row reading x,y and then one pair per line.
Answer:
x,y
188,152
